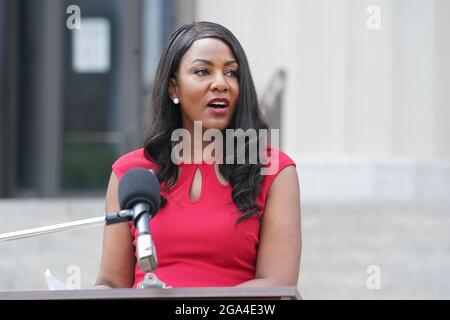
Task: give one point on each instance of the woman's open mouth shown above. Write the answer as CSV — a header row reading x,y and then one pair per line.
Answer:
x,y
218,106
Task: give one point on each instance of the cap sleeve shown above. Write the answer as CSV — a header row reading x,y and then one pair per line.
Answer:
x,y
133,159
279,162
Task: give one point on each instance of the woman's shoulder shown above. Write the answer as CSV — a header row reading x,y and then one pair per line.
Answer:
x,y
130,160
276,161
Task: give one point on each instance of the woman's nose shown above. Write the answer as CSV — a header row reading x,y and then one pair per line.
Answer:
x,y
219,83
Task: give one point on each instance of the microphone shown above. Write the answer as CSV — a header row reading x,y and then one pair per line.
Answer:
x,y
140,199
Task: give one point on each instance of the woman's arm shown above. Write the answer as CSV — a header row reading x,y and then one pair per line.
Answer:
x,y
118,259
279,251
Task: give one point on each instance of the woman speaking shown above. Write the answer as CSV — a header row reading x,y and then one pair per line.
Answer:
x,y
221,223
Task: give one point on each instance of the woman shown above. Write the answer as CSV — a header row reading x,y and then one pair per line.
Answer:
x,y
220,224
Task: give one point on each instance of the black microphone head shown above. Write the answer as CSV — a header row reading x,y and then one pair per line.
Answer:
x,y
139,185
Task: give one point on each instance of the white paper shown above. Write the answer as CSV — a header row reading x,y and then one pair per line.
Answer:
x,y
53,283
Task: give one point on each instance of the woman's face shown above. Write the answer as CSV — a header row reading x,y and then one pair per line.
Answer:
x,y
207,84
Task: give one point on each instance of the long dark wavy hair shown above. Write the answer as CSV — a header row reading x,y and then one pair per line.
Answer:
x,y
245,179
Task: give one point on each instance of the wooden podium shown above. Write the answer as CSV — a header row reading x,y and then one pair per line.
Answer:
x,y
272,293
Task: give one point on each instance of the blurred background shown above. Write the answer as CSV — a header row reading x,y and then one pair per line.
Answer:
x,y
360,91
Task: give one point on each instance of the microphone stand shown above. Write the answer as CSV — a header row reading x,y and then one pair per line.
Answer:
x,y
109,218
74,225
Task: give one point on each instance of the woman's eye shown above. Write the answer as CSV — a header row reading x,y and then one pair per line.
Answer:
x,y
232,73
201,72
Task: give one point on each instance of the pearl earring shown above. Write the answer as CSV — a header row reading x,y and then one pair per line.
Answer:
x,y
176,101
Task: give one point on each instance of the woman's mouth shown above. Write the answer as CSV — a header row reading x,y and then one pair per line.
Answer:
x,y
218,106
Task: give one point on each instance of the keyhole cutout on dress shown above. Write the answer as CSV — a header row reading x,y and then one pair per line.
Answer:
x,y
196,185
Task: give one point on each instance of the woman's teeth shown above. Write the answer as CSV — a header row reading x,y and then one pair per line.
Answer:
x,y
217,105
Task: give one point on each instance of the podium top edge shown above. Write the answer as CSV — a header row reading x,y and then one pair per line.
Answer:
x,y
275,293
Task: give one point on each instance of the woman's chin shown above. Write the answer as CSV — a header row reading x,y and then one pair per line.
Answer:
x,y
220,124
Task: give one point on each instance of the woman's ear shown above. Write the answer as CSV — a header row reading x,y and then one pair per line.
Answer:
x,y
172,89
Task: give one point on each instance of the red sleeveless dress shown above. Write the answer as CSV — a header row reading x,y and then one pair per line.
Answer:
x,y
198,243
